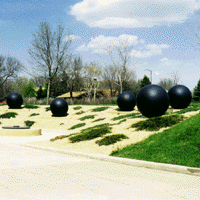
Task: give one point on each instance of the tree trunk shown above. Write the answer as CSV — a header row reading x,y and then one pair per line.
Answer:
x,y
48,91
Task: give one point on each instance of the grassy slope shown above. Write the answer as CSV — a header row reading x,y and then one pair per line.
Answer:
x,y
178,145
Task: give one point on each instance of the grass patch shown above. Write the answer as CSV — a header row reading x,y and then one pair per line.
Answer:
x,y
79,113
34,114
87,117
8,115
60,137
48,109
77,107
111,139
91,134
29,123
100,119
133,115
77,126
30,106
179,145
155,123
100,109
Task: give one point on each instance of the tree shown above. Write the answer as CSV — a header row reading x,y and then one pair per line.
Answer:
x,y
166,83
19,84
28,90
175,78
109,76
92,71
9,66
72,70
196,92
49,50
124,52
39,81
145,81
40,93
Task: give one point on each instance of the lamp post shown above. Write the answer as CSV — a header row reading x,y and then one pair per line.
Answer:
x,y
150,73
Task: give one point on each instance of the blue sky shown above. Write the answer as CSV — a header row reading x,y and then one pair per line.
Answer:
x,y
154,28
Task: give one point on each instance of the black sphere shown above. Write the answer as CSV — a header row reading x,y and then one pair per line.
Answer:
x,y
179,97
59,107
152,101
126,101
14,100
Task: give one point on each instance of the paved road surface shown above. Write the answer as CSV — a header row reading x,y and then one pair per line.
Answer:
x,y
27,173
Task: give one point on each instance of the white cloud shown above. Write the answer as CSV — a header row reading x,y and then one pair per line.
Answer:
x,y
98,45
82,48
132,14
153,50
164,59
71,37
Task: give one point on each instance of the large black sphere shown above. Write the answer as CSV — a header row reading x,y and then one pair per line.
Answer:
x,y
59,107
152,101
14,100
179,97
126,101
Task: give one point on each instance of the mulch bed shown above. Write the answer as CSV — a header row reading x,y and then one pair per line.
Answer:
x,y
3,103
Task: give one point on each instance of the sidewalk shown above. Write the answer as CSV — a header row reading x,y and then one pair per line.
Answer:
x,y
29,173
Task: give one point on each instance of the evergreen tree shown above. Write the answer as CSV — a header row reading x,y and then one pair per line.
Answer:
x,y
28,90
196,93
145,81
40,93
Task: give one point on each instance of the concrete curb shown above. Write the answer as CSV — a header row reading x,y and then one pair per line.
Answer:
x,y
138,163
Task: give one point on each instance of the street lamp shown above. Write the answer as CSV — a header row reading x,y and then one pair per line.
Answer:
x,y
151,74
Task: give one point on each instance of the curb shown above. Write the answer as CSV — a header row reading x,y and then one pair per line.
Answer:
x,y
137,163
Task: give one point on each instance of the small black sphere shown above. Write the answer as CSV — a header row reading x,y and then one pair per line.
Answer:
x,y
126,101
179,97
14,100
152,101
59,107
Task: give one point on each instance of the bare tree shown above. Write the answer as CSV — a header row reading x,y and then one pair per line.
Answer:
x,y
175,78
73,67
124,53
39,81
92,71
166,83
9,66
49,50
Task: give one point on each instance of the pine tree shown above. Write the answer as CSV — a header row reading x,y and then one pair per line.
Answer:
x,y
145,81
196,93
40,93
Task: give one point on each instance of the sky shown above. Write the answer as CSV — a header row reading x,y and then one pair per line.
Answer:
x,y
157,32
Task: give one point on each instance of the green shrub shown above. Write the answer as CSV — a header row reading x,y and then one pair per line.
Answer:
x,y
29,123
28,90
8,115
34,114
111,139
31,106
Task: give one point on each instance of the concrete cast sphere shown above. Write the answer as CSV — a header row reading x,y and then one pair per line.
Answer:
x,y
126,101
59,107
179,97
152,101
14,100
